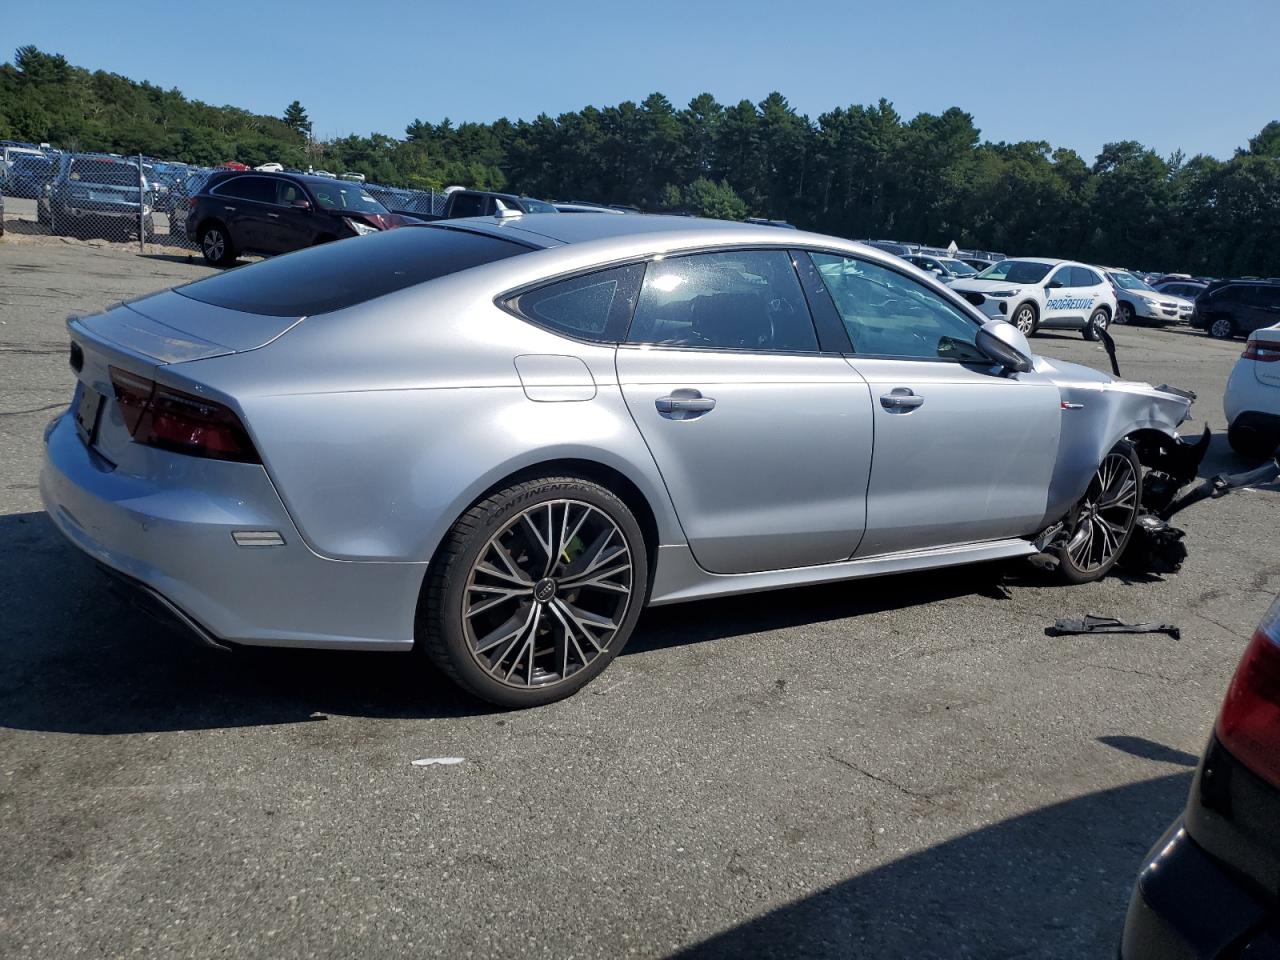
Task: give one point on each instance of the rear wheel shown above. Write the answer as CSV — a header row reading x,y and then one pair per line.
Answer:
x,y
534,591
1251,442
1222,328
1100,525
215,245
1097,321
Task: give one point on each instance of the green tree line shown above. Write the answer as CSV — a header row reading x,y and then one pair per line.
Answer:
x,y
856,171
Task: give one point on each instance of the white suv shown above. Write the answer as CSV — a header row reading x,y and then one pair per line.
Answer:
x,y
1035,294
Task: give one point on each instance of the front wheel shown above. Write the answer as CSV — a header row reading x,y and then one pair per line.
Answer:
x,y
534,591
1100,525
1125,315
1097,321
1024,318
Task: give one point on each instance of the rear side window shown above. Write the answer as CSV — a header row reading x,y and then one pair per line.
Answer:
x,y
1085,278
596,306
467,205
342,274
735,300
261,189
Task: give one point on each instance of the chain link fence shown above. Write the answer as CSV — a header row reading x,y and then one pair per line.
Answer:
x,y
138,201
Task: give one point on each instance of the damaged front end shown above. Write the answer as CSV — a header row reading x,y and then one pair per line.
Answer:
x,y
1101,414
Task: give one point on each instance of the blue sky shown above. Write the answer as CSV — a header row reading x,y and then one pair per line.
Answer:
x,y
1169,73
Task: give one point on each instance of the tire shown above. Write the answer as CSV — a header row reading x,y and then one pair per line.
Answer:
x,y
1097,535
1125,316
510,623
1025,318
1251,443
1221,328
1098,320
215,245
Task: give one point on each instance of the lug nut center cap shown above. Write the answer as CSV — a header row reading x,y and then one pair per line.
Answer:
x,y
544,590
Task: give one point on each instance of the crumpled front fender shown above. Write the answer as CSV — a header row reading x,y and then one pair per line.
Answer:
x,y
1097,413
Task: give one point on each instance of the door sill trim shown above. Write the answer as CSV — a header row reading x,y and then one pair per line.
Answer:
x,y
678,578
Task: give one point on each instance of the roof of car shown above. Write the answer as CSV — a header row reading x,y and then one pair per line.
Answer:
x,y
1046,260
547,229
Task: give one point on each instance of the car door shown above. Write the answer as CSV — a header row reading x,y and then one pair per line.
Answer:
x,y
1061,308
1261,308
762,437
243,205
288,227
963,451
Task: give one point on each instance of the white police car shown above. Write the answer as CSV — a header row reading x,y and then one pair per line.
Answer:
x,y
1035,294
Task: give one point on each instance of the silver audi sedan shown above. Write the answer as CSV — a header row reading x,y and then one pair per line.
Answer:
x,y
496,440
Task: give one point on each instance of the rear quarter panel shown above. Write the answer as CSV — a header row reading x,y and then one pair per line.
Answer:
x,y
381,424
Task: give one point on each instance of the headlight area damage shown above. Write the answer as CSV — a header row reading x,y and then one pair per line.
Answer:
x,y
1103,417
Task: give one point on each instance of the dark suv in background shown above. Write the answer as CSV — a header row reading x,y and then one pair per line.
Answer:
x,y
1235,308
238,212
97,196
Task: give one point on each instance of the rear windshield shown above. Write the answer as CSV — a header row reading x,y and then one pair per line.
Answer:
x,y
339,275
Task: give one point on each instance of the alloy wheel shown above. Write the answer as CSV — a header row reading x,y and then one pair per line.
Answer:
x,y
1025,321
1105,515
1222,329
1124,316
547,594
214,246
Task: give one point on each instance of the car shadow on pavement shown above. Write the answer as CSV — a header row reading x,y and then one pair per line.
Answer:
x,y
1018,888
75,658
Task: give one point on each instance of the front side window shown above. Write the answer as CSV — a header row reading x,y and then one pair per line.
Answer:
x,y
735,300
1061,278
889,314
593,307
287,192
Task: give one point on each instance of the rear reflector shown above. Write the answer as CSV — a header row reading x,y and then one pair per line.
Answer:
x,y
1264,353
160,416
1249,724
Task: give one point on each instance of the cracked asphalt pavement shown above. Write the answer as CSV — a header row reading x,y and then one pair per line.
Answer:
x,y
904,767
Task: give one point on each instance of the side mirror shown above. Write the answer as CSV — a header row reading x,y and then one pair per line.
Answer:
x,y
1053,285
301,204
1005,345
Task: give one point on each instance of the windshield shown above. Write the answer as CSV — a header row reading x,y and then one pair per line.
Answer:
x,y
959,268
25,163
1127,281
1016,271
104,171
538,206
340,195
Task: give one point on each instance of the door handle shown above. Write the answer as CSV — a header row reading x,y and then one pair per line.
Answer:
x,y
900,400
229,209
684,404
274,216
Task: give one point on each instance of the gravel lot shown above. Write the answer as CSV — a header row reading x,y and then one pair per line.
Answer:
x,y
903,767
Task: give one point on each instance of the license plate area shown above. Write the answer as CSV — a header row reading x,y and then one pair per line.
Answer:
x,y
88,410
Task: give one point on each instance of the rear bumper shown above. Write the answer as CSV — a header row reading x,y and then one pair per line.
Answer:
x,y
171,533
1186,907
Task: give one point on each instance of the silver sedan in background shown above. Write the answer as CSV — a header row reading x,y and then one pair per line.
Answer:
x,y
496,440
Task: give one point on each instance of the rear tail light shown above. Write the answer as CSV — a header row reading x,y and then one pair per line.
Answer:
x,y
191,203
1249,724
160,416
1268,353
